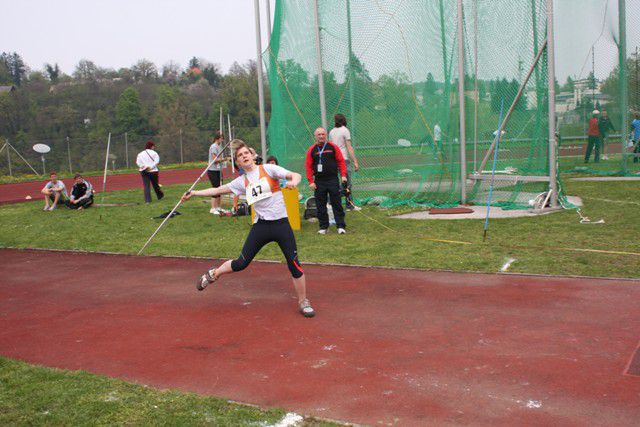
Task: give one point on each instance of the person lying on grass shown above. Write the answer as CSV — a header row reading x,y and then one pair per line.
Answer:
x,y
260,184
53,192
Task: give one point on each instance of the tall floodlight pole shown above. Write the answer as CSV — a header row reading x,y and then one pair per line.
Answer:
x,y
263,132
323,107
475,85
551,76
268,21
624,95
351,75
461,75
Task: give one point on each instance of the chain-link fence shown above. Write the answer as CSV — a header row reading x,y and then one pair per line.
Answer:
x,y
89,155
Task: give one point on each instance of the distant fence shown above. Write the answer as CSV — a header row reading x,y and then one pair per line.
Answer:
x,y
82,154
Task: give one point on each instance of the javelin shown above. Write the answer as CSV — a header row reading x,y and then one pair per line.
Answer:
x,y
493,170
180,201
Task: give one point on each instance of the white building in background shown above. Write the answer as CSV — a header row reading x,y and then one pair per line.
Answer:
x,y
583,96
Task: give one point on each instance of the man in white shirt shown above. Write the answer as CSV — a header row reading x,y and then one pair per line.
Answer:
x,y
341,136
53,192
147,162
437,136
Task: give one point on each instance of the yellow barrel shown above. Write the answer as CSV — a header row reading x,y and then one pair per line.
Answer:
x,y
293,207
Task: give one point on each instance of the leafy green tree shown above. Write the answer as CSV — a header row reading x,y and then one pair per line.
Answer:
x,y
194,63
15,65
5,74
129,116
569,85
212,74
53,71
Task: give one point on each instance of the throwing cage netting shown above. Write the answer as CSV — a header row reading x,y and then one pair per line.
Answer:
x,y
393,69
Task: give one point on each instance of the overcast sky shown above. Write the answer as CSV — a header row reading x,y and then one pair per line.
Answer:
x,y
117,33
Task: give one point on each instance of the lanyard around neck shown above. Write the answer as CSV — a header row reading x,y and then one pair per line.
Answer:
x,y
320,151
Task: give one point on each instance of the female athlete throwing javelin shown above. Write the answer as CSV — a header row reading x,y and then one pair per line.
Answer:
x,y
261,186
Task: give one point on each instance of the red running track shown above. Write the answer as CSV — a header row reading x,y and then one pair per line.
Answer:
x,y
15,193
402,347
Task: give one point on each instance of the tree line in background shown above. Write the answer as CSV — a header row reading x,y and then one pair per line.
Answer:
x,y
141,100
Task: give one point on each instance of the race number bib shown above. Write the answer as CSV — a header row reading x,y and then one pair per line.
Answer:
x,y
258,191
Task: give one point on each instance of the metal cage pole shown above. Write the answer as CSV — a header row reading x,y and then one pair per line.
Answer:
x,y
263,131
551,73
268,21
624,94
461,75
475,86
323,107
351,75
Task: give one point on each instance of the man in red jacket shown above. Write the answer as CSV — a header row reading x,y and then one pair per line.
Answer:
x,y
324,161
595,137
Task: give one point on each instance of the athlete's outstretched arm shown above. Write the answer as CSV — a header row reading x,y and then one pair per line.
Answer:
x,y
208,192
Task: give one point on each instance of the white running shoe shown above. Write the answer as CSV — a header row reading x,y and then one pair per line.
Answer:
x,y
356,208
214,211
305,308
342,231
322,231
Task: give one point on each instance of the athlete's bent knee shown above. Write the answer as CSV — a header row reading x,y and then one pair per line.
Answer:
x,y
239,264
295,269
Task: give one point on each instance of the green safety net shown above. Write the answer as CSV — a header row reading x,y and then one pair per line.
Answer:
x,y
391,67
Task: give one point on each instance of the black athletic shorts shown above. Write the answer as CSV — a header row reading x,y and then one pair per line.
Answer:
x,y
215,177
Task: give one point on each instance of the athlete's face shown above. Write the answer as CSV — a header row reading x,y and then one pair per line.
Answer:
x,y
244,157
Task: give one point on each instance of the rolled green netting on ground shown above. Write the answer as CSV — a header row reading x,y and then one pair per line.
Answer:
x,y
401,80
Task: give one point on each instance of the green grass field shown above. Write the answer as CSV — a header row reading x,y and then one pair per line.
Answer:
x,y
537,243
38,396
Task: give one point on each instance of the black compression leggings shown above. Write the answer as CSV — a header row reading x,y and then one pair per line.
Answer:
x,y
264,232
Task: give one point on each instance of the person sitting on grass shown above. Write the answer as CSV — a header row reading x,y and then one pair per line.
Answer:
x,y
53,192
81,193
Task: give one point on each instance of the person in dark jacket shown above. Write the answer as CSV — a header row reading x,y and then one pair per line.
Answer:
x,y
323,163
81,193
605,125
